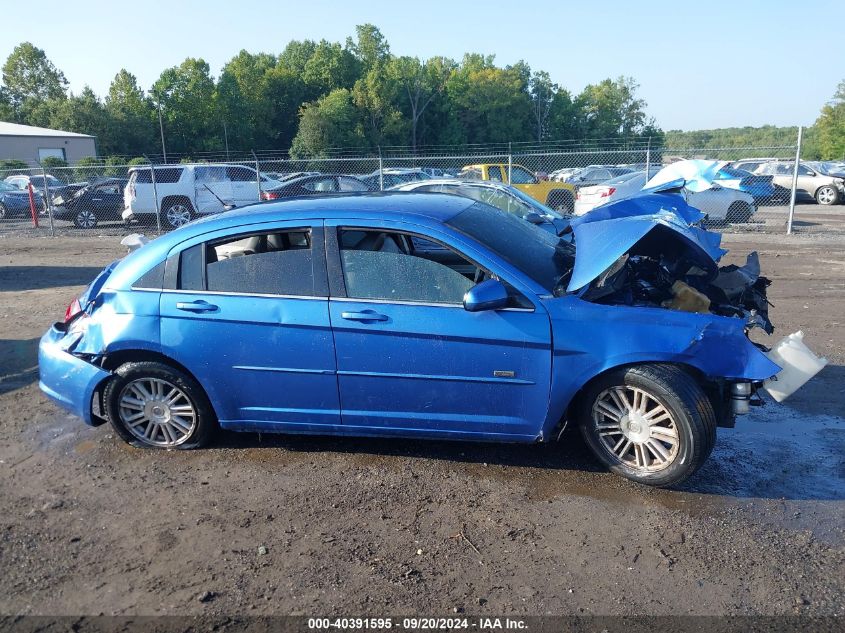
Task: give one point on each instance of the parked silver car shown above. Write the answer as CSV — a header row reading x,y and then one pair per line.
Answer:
x,y
824,189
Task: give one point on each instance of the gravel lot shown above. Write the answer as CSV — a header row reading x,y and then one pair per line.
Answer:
x,y
290,525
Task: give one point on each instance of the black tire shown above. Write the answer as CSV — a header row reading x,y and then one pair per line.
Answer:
x,y
4,213
562,201
738,212
691,416
827,195
176,212
85,219
128,376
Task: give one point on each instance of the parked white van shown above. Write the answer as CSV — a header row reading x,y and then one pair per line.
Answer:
x,y
185,191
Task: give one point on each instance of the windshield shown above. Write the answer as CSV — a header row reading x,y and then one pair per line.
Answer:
x,y
542,256
5,187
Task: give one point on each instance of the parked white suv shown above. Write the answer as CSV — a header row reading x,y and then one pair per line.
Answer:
x,y
185,191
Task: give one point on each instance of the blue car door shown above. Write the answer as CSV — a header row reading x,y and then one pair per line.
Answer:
x,y
248,316
411,360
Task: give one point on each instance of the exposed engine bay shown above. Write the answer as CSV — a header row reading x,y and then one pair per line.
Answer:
x,y
655,279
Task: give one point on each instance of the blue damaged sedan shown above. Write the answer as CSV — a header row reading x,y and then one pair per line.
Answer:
x,y
421,315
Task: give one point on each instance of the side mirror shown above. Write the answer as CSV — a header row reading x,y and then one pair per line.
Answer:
x,y
488,295
534,218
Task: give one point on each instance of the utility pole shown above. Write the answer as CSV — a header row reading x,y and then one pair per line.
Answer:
x,y
226,139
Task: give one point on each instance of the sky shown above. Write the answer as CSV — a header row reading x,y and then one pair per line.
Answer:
x,y
699,65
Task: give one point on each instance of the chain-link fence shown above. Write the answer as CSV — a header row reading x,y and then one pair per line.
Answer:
x,y
753,191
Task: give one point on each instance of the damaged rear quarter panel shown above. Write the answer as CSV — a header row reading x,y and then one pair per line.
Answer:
x,y
122,320
590,339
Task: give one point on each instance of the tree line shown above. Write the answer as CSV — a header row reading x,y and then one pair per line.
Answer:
x,y
315,97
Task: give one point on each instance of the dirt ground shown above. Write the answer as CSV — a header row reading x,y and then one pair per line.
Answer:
x,y
291,525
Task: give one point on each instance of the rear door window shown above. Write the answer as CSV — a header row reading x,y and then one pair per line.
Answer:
x,y
276,263
164,175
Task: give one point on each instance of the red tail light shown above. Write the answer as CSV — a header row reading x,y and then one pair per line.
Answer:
x,y
608,192
270,195
72,310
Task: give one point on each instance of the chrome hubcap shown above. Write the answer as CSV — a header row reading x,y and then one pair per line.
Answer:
x,y
178,215
86,219
157,412
826,195
635,428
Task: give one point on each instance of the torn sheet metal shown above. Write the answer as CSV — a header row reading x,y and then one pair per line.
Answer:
x,y
698,175
608,233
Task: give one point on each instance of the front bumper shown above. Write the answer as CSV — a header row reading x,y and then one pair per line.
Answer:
x,y
66,379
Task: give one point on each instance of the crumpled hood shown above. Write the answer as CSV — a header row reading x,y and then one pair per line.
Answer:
x,y
608,232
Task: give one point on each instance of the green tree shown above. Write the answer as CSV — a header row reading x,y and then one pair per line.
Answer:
x,y
419,85
332,121
244,105
52,162
370,47
9,166
84,114
132,117
331,67
375,96
30,78
285,93
830,127
7,112
489,104
611,109
186,95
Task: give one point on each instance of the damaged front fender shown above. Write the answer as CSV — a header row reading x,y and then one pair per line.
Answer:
x,y
590,339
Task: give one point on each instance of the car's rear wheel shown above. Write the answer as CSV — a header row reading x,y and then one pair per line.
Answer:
x,y
176,213
827,195
652,424
85,219
738,212
153,405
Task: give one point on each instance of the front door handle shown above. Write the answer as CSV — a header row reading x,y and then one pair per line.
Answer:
x,y
196,306
366,315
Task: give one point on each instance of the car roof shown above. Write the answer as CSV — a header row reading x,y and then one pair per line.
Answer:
x,y
438,207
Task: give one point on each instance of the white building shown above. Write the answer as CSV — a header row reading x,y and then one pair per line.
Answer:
x,y
34,144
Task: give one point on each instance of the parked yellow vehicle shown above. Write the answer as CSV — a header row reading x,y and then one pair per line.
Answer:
x,y
557,195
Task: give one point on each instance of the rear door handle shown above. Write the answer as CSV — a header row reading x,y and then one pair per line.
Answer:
x,y
366,315
196,306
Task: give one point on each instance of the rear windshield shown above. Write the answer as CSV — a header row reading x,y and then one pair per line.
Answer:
x,y
164,175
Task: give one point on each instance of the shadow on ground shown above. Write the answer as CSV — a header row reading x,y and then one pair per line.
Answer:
x,y
17,278
18,363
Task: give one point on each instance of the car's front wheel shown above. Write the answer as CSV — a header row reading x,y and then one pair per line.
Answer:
x,y
650,423
739,212
153,405
827,195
